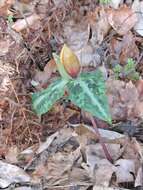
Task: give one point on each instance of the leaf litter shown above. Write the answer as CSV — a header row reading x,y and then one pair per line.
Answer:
x,y
50,152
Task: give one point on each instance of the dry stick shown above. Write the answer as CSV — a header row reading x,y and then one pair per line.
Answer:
x,y
106,152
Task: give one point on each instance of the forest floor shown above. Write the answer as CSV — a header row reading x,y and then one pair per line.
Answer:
x,y
59,149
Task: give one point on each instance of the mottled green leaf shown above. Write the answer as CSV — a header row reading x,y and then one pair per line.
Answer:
x,y
44,100
89,93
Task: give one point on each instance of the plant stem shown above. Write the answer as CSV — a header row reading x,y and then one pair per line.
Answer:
x,y
106,152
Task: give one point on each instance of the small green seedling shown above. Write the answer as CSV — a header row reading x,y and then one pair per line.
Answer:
x,y
117,70
10,19
104,1
86,90
126,72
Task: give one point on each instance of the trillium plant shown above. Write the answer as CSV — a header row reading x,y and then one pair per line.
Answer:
x,y
85,90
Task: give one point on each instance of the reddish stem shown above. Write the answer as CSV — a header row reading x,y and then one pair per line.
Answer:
x,y
106,152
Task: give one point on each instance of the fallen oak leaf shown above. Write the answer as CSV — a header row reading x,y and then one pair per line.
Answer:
x,y
122,20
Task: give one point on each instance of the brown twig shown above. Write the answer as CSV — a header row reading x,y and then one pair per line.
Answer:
x,y
106,152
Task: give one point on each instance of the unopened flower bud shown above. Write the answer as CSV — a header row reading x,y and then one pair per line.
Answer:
x,y
70,61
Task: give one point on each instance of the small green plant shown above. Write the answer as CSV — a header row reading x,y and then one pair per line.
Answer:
x,y
10,19
86,90
104,1
117,70
126,72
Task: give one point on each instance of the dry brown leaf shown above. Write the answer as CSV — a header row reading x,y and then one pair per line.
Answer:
x,y
138,148
125,48
39,172
4,104
107,188
22,24
132,151
11,155
76,34
58,168
28,154
4,46
45,145
124,100
56,139
129,48
4,6
139,109
42,77
137,7
97,151
130,97
3,151
139,178
99,25
122,20
80,176
103,174
140,88
23,7
10,174
84,134
6,70
1,114
99,169
124,170
129,94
